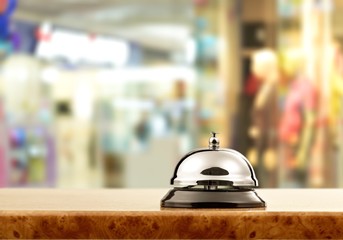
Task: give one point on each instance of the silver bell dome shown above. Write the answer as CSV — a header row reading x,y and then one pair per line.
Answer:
x,y
214,166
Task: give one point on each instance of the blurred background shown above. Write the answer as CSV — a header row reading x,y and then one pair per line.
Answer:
x,y
111,93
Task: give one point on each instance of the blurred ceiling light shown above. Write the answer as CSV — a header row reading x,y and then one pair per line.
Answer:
x,y
133,104
190,51
147,74
82,102
173,31
50,74
166,36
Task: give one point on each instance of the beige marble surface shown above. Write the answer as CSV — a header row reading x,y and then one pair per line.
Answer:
x,y
278,200
136,213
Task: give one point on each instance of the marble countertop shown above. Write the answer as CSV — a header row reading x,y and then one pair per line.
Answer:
x,y
136,213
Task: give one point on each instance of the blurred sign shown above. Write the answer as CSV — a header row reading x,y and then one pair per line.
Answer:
x,y
77,47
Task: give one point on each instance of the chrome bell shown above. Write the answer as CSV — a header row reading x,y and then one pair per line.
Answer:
x,y
213,177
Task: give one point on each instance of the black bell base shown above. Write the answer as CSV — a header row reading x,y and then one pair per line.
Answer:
x,y
187,198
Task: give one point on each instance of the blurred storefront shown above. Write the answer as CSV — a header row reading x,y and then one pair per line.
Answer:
x,y
112,93
290,102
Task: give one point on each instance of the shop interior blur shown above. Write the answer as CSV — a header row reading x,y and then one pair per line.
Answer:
x,y
111,93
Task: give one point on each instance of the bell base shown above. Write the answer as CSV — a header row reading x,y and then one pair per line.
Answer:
x,y
187,198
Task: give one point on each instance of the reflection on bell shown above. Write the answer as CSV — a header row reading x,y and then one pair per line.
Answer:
x,y
213,178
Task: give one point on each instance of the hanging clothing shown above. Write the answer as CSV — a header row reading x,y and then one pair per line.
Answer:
x,y
296,133
265,120
301,97
252,85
